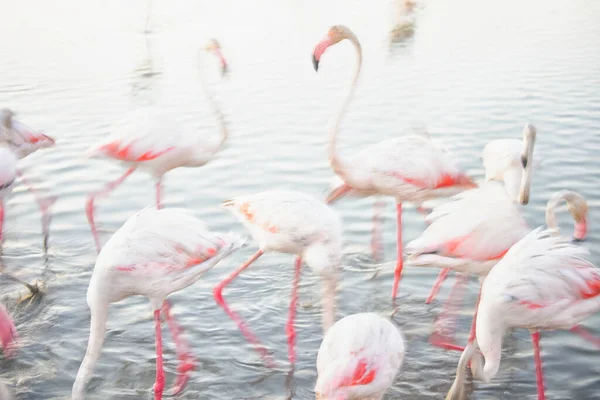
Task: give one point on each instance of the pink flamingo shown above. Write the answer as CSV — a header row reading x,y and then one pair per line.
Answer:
x,y
408,168
155,253
152,141
471,233
359,358
294,223
542,283
22,141
8,332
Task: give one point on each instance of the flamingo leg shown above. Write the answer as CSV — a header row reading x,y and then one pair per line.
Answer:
x,y
535,336
584,333
158,194
186,360
45,205
289,329
376,240
89,206
437,285
218,295
444,338
159,385
399,252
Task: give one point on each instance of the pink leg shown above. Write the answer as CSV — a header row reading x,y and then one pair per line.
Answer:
x,y
218,295
186,360
437,285
291,332
45,205
158,194
89,206
399,252
535,336
444,338
586,335
160,373
376,241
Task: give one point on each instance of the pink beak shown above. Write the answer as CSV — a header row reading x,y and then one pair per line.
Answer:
x,y
222,60
319,50
338,193
580,229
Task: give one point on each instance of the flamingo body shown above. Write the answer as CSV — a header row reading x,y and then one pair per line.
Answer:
x,y
359,358
8,332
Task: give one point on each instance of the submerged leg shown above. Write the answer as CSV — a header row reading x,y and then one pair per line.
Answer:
x,y
376,237
535,336
437,285
89,206
399,252
158,193
186,360
444,336
159,385
289,329
218,295
45,204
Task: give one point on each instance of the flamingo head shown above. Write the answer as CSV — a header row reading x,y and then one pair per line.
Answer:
x,y
8,332
336,34
214,47
6,115
578,209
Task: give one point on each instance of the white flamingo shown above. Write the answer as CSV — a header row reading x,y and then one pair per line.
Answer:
x,y
152,141
359,358
294,223
408,168
542,283
23,141
473,231
155,253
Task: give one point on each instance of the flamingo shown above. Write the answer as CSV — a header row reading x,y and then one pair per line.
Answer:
x,y
542,283
293,223
359,358
155,253
23,141
152,141
8,332
408,168
471,233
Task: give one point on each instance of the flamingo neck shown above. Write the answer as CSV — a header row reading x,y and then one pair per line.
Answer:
x,y
577,208
336,164
218,115
97,330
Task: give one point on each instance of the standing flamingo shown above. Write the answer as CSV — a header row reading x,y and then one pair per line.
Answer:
x,y
408,168
22,141
150,140
294,223
155,253
542,283
471,233
359,358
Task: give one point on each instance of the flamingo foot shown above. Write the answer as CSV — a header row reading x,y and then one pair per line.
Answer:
x,y
186,360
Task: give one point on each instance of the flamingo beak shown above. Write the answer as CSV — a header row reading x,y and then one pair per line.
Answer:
x,y
338,193
580,230
224,67
319,50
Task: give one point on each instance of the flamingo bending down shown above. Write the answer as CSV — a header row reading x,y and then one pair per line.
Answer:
x,y
155,253
294,223
22,141
472,232
152,141
359,358
408,168
542,283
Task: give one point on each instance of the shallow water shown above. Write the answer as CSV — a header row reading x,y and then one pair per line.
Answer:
x,y
474,71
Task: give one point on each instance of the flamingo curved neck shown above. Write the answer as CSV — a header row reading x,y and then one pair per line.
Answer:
x,y
337,164
216,111
96,340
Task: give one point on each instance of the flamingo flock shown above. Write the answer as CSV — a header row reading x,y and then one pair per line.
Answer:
x,y
532,279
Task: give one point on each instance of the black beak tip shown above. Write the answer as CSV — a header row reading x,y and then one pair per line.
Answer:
x,y
315,63
524,161
224,70
576,240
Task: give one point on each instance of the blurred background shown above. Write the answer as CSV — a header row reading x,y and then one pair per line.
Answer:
x,y
471,71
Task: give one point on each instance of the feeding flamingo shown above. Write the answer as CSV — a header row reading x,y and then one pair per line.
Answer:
x,y
542,283
155,253
359,358
152,141
408,168
472,232
293,223
22,141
